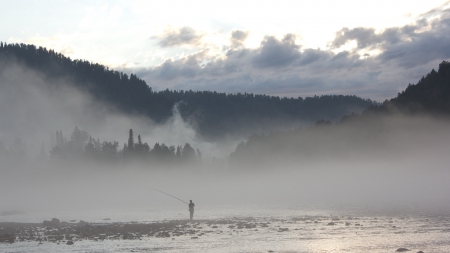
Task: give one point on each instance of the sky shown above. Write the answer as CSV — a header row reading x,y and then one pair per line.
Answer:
x,y
372,49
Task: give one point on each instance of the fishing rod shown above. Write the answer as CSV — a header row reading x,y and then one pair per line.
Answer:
x,y
169,195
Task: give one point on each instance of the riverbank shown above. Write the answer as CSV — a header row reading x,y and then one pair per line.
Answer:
x,y
262,234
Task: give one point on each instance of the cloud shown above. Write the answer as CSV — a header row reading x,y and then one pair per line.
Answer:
x,y
411,45
367,38
363,36
280,66
179,37
238,38
276,67
421,47
312,55
276,53
187,67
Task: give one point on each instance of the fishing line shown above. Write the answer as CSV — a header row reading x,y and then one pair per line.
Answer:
x,y
169,195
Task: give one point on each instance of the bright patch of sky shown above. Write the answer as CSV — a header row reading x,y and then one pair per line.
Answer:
x,y
119,33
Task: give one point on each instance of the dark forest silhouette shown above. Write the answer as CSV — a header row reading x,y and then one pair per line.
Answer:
x,y
430,95
215,114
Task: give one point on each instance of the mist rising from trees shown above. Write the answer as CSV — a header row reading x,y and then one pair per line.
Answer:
x,y
213,115
398,124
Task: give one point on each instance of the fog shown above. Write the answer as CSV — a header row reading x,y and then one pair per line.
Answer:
x,y
33,107
80,187
387,161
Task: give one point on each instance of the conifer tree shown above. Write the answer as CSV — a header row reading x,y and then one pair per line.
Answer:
x,y
130,141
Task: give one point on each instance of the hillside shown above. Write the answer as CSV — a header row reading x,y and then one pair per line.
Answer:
x,y
417,119
213,114
430,95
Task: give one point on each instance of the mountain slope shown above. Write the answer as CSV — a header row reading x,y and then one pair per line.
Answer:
x,y
213,114
410,125
431,94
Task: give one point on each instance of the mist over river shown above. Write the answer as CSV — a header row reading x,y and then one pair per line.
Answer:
x,y
286,159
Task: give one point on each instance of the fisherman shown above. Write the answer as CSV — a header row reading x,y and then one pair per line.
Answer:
x,y
191,209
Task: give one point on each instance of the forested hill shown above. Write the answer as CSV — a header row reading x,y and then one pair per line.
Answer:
x,y
213,114
417,117
430,95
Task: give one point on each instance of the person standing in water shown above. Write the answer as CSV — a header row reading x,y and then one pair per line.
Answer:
x,y
191,209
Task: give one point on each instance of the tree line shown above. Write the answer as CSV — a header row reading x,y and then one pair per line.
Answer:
x,y
81,145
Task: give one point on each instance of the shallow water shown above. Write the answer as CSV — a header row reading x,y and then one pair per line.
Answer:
x,y
288,229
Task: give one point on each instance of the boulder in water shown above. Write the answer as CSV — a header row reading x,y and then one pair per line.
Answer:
x,y
69,243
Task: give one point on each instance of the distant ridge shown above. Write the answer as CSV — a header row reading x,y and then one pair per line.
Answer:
x,y
213,114
378,131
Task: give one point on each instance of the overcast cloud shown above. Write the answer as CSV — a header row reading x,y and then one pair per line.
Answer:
x,y
281,66
378,67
